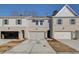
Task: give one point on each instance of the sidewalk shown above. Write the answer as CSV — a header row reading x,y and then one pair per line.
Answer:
x,y
32,47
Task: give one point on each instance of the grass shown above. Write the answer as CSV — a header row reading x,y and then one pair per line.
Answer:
x,y
60,47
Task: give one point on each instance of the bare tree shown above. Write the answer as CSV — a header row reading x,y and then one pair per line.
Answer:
x,y
29,13
23,13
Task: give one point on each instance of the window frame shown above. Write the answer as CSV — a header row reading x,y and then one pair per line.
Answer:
x,y
6,22
72,21
33,20
59,21
18,22
37,22
41,22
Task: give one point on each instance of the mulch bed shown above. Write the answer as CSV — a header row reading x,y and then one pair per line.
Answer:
x,y
60,47
9,45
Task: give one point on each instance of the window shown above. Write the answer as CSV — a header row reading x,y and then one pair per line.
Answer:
x,y
37,22
18,22
33,20
41,22
59,21
72,21
6,22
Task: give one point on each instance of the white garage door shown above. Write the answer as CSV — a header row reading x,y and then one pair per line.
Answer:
x,y
62,35
36,35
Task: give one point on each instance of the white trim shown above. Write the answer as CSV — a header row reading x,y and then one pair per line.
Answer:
x,y
69,8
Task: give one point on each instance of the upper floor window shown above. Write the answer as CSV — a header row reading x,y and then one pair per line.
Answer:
x,y
19,22
72,21
6,22
33,20
38,22
41,22
59,21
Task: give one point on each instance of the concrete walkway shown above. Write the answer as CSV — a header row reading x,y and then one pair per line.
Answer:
x,y
72,43
3,41
32,47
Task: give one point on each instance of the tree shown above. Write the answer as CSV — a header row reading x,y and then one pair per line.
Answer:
x,y
23,13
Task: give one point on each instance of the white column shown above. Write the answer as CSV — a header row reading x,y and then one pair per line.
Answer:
x,y
73,35
0,34
45,34
26,34
20,35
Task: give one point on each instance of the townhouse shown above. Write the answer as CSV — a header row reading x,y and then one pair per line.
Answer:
x,y
65,24
24,27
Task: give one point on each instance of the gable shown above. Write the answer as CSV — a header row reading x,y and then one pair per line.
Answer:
x,y
66,11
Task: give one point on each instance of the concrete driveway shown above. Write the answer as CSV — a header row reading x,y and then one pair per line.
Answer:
x,y
32,47
3,41
72,43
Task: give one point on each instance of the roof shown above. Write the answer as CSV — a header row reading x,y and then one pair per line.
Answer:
x,y
69,8
25,17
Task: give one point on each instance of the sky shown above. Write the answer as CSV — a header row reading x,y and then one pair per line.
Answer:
x,y
40,9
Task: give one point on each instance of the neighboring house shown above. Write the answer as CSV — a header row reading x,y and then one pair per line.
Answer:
x,y
65,24
27,27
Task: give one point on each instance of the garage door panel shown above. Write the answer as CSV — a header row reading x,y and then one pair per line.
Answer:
x,y
62,35
36,35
